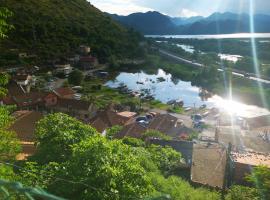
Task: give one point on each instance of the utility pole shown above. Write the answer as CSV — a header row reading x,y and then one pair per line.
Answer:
x,y
227,174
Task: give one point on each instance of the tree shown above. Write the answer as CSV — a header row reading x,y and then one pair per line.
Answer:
x,y
238,192
155,134
3,82
76,77
166,158
9,144
111,132
99,169
4,26
260,178
55,135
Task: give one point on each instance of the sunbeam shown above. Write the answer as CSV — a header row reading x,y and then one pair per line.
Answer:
x,y
254,51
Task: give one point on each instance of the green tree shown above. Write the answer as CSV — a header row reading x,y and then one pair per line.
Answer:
x,y
155,134
9,144
111,132
56,133
3,82
76,77
99,169
238,192
4,26
176,188
260,178
165,158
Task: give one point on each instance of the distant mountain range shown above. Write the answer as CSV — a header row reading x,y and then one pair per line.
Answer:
x,y
155,23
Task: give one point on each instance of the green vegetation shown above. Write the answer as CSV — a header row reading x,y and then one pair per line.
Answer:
x,y
75,77
56,134
210,79
82,164
9,145
260,178
103,96
4,26
111,132
155,134
61,27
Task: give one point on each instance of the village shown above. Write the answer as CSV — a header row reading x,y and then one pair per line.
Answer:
x,y
218,150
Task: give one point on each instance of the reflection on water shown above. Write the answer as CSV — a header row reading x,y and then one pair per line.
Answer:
x,y
172,89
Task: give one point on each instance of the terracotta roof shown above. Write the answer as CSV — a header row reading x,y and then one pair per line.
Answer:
x,y
252,158
169,125
208,164
88,59
106,119
132,130
73,104
127,114
25,124
29,99
64,91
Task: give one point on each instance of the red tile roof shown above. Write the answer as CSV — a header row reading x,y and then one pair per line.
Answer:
x,y
108,118
64,91
132,130
88,59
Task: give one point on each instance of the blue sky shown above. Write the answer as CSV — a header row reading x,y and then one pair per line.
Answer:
x,y
183,8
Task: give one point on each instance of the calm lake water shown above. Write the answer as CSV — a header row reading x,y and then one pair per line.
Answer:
x,y
172,89
220,36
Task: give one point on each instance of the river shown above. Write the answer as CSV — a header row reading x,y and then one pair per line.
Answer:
x,y
220,36
175,89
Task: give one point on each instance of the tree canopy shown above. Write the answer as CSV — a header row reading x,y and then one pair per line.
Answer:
x,y
55,135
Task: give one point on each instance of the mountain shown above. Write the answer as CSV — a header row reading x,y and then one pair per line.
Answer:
x,y
51,29
178,21
154,23
147,23
226,23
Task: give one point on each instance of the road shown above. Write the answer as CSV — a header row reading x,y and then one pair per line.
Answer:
x,y
182,60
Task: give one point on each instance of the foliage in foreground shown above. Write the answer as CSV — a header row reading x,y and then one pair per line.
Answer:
x,y
94,167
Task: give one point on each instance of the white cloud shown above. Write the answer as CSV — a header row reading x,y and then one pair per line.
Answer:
x,y
188,13
121,7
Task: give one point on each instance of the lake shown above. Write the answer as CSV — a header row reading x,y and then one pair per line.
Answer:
x,y
175,89
220,36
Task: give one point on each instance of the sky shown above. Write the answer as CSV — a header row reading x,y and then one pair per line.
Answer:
x,y
181,8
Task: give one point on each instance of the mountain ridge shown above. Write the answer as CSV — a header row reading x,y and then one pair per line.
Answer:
x,y
217,23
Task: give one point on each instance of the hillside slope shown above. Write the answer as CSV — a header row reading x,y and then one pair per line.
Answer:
x,y
54,28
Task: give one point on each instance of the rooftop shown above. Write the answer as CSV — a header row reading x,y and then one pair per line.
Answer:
x,y
252,158
127,114
73,104
25,123
132,130
64,91
208,164
108,118
169,125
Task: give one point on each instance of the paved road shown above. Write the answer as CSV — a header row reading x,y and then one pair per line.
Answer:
x,y
177,58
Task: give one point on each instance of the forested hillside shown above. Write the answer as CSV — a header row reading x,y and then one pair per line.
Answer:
x,y
53,28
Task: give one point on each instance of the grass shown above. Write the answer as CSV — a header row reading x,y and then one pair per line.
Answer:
x,y
95,91
176,109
